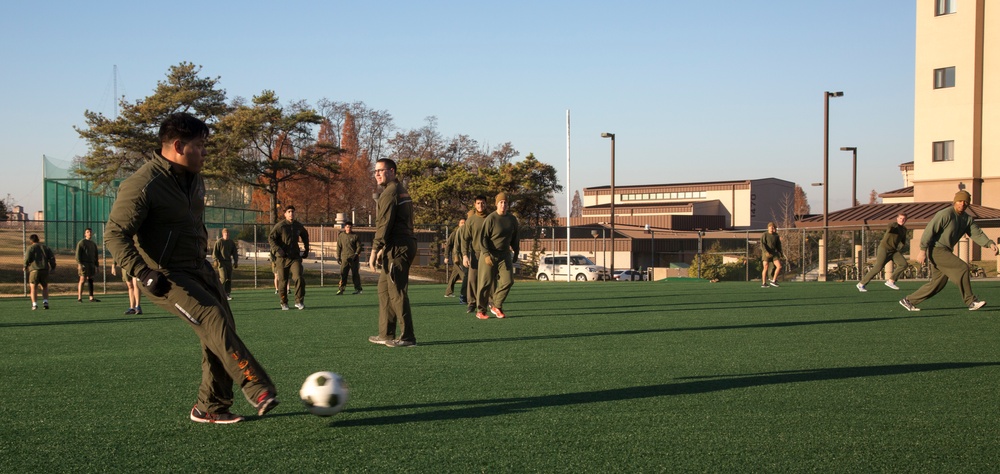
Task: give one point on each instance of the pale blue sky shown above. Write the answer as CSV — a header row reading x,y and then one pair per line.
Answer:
x,y
693,90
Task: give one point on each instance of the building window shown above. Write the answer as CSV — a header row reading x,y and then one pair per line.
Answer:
x,y
944,151
944,77
944,7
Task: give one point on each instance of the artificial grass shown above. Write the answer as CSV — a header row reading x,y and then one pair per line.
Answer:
x,y
583,377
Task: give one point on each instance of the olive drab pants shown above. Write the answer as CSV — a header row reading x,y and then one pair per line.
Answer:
x,y
393,287
350,265
881,258
945,266
495,281
196,296
226,275
472,281
290,269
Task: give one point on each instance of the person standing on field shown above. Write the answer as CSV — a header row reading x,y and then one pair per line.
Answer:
x,y
451,257
38,262
87,261
890,248
284,239
349,256
937,245
472,238
394,248
227,257
500,247
156,231
770,244
132,288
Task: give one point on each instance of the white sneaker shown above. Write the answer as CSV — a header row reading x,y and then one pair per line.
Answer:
x,y
284,307
976,305
300,306
891,284
861,287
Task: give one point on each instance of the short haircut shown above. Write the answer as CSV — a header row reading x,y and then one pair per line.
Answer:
x,y
481,197
33,238
772,224
389,164
348,223
289,208
182,126
901,214
88,228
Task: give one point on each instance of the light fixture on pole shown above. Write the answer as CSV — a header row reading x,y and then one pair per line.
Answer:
x,y
612,137
826,181
854,179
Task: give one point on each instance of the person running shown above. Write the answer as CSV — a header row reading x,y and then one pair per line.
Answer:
x,y
156,231
38,262
890,248
87,261
394,248
770,243
451,257
349,256
937,245
284,239
226,257
471,243
500,247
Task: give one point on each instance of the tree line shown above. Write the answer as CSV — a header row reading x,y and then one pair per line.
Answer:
x,y
316,158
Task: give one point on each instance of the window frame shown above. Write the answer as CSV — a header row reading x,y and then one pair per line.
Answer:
x,y
944,7
943,151
942,78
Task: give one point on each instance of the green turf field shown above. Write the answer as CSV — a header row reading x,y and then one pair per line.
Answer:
x,y
582,377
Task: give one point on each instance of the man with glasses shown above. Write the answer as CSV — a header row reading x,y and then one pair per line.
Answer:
x,y
394,249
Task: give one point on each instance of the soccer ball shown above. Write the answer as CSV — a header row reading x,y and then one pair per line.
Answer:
x,y
324,393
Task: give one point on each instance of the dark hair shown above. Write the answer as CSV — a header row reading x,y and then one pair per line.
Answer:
x,y
88,228
33,238
389,164
289,208
348,223
182,126
480,197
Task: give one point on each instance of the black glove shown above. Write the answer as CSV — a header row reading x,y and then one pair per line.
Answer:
x,y
154,281
305,253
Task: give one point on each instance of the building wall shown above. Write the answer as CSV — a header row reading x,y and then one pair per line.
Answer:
x,y
969,40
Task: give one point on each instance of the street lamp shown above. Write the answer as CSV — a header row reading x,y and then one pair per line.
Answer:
x,y
612,137
593,233
854,180
652,253
826,180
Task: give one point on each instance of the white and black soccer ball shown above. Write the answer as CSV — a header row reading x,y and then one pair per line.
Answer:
x,y
324,393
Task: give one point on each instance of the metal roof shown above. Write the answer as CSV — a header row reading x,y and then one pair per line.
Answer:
x,y
916,213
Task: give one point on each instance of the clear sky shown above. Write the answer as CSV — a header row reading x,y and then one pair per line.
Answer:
x,y
694,90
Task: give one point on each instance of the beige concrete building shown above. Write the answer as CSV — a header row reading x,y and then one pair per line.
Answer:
x,y
957,101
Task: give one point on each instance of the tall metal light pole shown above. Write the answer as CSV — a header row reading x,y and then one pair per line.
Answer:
x,y
826,181
612,137
854,180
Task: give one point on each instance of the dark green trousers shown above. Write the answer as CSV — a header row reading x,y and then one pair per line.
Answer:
x,y
290,269
944,266
196,296
882,256
226,275
393,292
485,282
500,276
456,273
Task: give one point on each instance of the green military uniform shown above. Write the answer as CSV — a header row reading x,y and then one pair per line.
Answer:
x,y
394,237
87,258
890,248
227,257
162,211
451,251
771,246
39,260
496,260
284,240
349,255
941,235
472,246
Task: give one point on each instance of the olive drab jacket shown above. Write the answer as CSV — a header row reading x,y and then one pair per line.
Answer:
x,y
163,211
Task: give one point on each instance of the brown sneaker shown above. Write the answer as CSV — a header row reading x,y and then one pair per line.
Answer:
x,y
223,418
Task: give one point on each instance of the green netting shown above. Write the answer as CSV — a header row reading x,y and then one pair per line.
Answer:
x,y
73,204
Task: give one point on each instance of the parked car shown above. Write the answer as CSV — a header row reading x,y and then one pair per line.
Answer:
x,y
581,268
629,275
